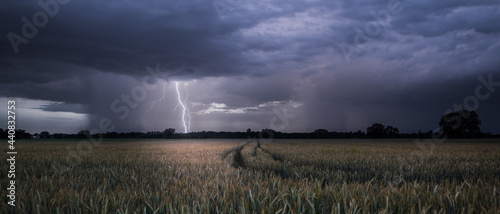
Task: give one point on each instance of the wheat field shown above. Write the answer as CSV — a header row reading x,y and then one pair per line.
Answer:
x,y
241,176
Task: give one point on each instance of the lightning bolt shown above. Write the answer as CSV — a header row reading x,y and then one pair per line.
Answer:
x,y
185,110
158,100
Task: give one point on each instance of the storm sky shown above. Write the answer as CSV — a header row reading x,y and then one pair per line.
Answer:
x,y
287,65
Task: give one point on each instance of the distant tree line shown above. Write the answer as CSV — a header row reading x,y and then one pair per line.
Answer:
x,y
459,124
20,134
377,130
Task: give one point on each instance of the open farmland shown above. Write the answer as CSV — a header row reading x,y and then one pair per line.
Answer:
x,y
236,176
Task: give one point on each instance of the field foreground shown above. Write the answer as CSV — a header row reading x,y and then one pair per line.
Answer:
x,y
237,176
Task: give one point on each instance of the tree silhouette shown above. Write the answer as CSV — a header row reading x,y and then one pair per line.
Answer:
x,y
377,130
391,131
462,123
267,134
3,134
169,132
44,135
22,134
321,133
83,134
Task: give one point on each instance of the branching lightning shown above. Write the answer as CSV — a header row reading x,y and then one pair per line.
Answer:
x,y
187,109
158,100
186,117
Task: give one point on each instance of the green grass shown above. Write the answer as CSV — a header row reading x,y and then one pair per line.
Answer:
x,y
233,176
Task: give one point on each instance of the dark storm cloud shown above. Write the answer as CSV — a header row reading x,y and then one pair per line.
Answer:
x,y
425,58
123,37
345,101
64,107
